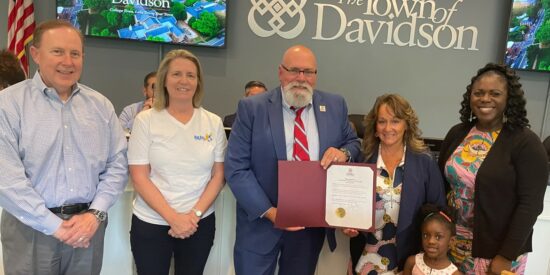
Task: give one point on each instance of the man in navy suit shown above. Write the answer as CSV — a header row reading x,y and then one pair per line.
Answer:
x,y
263,134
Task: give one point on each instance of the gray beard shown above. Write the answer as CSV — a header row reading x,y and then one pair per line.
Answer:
x,y
297,97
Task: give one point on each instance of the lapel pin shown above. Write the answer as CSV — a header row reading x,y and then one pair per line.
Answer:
x,y
322,108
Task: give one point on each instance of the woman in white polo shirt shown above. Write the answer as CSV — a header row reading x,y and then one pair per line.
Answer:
x,y
175,154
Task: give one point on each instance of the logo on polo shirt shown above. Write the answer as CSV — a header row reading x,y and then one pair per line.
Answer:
x,y
206,137
273,14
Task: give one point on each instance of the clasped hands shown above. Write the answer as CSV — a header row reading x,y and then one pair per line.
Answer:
x,y
183,225
78,230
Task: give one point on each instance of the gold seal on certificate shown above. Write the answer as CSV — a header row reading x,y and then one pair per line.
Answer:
x,y
340,212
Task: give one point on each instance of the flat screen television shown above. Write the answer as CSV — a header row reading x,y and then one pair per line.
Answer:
x,y
528,39
181,22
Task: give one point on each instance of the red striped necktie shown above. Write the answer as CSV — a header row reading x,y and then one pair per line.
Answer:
x,y
300,149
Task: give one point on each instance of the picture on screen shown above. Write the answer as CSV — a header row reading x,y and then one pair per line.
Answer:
x,y
528,43
187,22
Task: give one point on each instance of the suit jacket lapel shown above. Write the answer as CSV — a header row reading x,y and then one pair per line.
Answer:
x,y
321,119
275,112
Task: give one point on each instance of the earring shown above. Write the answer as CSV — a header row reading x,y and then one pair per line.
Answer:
x,y
471,116
504,119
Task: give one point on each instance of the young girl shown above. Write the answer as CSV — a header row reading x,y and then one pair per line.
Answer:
x,y
437,231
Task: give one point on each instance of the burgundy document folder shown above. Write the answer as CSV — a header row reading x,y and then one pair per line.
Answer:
x,y
302,194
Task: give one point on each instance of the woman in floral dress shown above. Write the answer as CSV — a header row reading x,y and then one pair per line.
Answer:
x,y
496,170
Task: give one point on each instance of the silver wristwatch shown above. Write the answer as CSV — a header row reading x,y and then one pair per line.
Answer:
x,y
101,216
347,153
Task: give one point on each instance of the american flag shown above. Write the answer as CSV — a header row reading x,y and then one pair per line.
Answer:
x,y
20,28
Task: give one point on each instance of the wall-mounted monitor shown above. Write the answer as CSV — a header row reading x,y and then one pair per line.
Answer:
x,y
181,22
528,39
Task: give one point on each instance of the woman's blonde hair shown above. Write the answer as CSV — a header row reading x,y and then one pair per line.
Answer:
x,y
161,94
402,110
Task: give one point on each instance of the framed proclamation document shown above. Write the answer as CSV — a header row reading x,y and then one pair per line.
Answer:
x,y
341,196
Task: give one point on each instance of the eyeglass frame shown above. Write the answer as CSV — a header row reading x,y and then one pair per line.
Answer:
x,y
296,71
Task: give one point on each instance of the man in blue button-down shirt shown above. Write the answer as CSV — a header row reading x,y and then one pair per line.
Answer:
x,y
62,162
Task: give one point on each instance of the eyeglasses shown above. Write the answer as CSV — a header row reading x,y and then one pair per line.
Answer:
x,y
296,71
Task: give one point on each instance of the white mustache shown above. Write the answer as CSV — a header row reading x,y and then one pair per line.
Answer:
x,y
294,84
298,94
